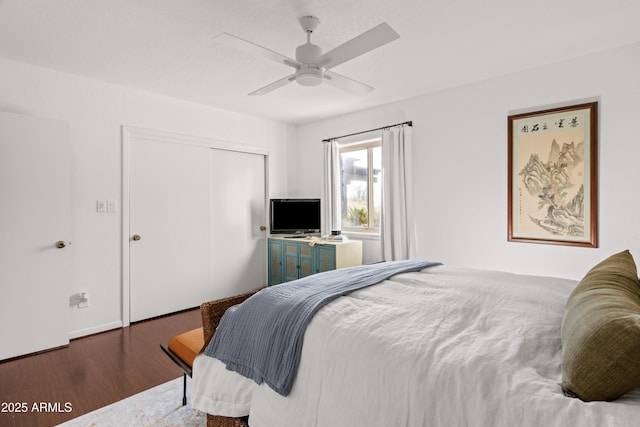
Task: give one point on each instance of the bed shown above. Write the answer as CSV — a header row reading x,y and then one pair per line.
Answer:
x,y
443,346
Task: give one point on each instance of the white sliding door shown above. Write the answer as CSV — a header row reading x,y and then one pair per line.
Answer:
x,y
194,218
35,200
170,228
238,213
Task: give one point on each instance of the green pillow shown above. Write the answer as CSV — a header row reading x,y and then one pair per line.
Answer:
x,y
601,332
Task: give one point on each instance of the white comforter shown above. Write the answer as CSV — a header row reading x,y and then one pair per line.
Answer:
x,y
442,347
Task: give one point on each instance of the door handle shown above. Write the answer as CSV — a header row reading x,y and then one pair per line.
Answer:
x,y
136,237
60,244
263,228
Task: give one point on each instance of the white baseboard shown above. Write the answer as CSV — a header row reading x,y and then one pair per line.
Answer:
x,y
95,330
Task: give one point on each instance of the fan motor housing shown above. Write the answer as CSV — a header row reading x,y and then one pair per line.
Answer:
x,y
308,53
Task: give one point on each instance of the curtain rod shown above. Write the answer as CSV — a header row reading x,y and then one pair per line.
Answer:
x,y
407,123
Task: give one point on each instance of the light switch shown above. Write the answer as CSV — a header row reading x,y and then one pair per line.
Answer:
x,y
101,206
112,206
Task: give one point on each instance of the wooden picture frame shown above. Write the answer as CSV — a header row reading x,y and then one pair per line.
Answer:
x,y
552,176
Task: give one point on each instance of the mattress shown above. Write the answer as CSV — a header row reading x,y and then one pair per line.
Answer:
x,y
446,346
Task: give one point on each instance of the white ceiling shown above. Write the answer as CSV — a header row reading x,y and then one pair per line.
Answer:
x,y
168,46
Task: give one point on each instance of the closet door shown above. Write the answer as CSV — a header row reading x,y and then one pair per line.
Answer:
x,y
169,228
195,218
35,194
238,221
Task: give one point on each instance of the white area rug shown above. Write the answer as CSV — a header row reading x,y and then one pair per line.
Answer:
x,y
159,406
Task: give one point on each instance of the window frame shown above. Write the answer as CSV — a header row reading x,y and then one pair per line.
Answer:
x,y
369,145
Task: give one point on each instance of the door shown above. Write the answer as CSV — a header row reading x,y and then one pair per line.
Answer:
x,y
238,222
275,261
299,260
35,194
307,260
325,258
291,261
170,228
195,218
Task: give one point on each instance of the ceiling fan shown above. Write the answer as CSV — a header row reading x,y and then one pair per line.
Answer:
x,y
312,67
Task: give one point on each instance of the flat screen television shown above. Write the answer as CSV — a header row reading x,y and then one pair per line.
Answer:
x,y
295,216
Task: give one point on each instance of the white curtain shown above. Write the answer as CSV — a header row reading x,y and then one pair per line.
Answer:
x,y
397,237
331,218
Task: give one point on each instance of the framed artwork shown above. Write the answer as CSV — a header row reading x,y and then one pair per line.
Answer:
x,y
552,184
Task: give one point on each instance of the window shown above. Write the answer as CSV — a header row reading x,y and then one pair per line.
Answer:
x,y
361,186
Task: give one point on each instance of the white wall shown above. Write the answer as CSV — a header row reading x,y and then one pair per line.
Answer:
x,y
460,161
96,112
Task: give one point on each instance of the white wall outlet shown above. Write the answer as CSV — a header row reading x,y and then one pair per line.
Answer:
x,y
83,300
112,206
101,206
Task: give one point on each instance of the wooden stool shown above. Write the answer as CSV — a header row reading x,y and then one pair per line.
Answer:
x,y
183,349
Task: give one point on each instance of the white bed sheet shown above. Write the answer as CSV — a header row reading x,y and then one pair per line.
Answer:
x,y
443,347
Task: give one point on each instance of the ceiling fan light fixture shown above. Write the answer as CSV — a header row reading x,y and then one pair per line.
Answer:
x,y
312,67
308,76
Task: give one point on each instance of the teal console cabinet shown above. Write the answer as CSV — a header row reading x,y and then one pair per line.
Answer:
x,y
294,258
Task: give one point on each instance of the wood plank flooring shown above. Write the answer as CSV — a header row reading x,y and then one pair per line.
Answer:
x,y
91,372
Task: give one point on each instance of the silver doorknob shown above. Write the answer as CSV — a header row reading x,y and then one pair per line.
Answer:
x,y
60,244
136,237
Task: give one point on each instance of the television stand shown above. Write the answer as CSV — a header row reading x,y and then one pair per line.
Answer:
x,y
291,258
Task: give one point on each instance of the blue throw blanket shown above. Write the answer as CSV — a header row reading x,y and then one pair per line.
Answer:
x,y
262,337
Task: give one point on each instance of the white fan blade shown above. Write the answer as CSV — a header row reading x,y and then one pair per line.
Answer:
x,y
345,83
250,47
365,42
275,85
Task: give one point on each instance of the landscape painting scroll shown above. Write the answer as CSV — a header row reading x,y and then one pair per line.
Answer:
x,y
552,172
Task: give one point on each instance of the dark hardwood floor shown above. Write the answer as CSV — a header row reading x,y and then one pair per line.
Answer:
x,y
91,372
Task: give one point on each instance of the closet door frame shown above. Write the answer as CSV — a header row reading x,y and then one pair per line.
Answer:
x,y
129,135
